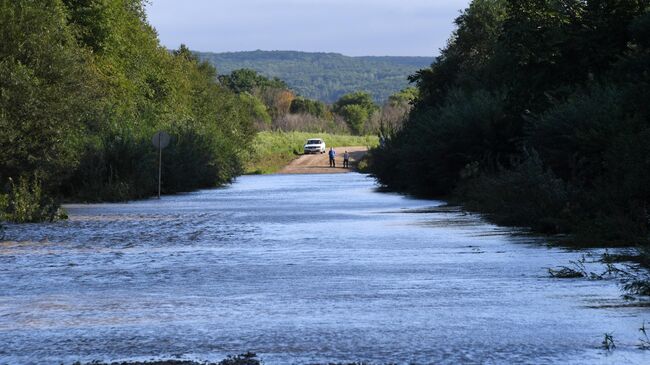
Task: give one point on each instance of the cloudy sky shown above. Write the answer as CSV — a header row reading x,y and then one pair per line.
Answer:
x,y
351,27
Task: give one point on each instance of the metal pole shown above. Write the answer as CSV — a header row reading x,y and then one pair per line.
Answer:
x,y
159,164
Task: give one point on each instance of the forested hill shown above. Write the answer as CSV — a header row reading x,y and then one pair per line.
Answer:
x,y
325,76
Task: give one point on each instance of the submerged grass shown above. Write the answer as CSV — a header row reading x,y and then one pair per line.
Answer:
x,y
249,358
273,150
630,270
608,342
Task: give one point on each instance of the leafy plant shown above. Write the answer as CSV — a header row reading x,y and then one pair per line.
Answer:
x,y
26,203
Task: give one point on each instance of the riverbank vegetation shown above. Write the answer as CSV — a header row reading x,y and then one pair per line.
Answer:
x,y
537,114
83,87
276,107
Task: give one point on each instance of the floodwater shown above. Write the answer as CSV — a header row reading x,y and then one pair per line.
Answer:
x,y
299,269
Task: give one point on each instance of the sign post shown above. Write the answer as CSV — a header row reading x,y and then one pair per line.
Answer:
x,y
160,140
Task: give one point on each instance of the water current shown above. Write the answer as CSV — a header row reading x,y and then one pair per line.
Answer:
x,y
300,269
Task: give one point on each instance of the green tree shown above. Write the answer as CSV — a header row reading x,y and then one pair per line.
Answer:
x,y
535,113
307,106
247,80
257,108
84,85
46,93
355,116
356,108
360,98
404,96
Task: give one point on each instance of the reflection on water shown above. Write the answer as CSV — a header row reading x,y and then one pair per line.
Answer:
x,y
300,269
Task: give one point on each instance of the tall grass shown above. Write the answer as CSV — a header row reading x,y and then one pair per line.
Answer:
x,y
273,150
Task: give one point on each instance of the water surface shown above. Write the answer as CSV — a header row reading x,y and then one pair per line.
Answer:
x,y
299,269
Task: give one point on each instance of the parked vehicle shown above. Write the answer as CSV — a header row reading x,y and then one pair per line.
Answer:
x,y
314,145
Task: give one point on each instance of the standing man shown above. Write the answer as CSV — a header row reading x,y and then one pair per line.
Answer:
x,y
346,160
332,154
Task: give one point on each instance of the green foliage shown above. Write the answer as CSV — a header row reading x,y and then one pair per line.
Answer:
x,y
256,107
356,108
273,93
247,80
524,195
83,87
360,98
465,62
324,76
45,92
311,107
404,96
607,161
440,142
355,116
573,85
332,124
26,203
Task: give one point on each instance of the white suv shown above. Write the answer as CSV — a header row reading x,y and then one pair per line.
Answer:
x,y
314,145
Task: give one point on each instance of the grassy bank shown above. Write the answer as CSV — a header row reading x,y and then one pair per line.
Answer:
x,y
273,150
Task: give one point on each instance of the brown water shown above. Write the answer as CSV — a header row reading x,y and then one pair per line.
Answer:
x,y
299,269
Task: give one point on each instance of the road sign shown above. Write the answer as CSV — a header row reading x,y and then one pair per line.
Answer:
x,y
160,139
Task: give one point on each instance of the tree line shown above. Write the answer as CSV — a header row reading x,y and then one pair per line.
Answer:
x,y
324,76
276,106
536,113
85,84
83,87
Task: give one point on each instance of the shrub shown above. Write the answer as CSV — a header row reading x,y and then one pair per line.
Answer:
x,y
524,195
428,154
26,203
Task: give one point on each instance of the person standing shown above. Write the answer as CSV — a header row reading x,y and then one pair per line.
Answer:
x,y
332,155
346,160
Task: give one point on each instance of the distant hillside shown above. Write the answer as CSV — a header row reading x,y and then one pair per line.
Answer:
x,y
324,76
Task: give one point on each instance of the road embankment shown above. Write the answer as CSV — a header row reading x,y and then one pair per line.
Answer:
x,y
319,163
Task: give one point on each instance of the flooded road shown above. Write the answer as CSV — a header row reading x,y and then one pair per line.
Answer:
x,y
300,269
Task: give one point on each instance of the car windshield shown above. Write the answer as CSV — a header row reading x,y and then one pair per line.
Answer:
x,y
314,141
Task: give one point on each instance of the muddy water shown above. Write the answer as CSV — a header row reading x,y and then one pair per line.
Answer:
x,y
299,269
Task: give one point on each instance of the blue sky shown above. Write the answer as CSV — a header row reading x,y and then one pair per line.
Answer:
x,y
351,27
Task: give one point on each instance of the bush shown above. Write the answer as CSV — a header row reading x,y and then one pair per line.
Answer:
x,y
597,142
524,195
428,154
26,203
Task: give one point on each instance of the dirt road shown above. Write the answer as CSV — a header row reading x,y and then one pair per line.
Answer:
x,y
319,164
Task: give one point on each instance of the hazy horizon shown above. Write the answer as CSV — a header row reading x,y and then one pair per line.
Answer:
x,y
417,28
301,51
